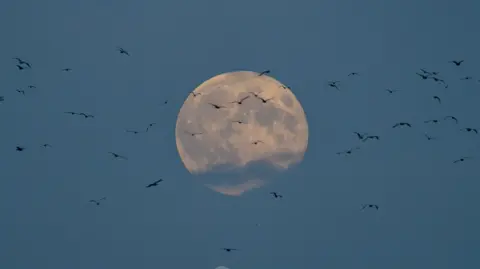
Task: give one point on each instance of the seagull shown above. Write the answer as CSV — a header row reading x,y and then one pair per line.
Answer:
x,y
468,129
115,155
360,136
46,146
257,141
132,131
150,125
391,91
263,73
195,94
21,91
241,100
238,121
264,100
348,152
466,78
192,134
122,51
284,87
462,159
457,63
18,148
402,124
370,206
333,84
229,249
376,137
451,118
86,116
431,121
437,98
353,74
67,69
154,183
429,137
256,95
97,202
423,76
217,106
276,194
20,62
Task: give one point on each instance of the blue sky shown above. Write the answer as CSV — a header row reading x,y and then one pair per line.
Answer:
x,y
428,215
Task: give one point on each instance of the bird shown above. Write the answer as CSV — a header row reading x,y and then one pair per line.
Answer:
x,y
333,84
217,106
429,137
256,95
376,137
229,249
21,91
85,115
132,131
122,51
115,155
437,98
264,100
468,129
466,78
431,121
20,62
32,86
451,118
46,146
457,63
238,121
360,136
391,91
370,206
423,76
353,74
348,152
284,86
97,202
154,183
71,113
263,73
192,134
2,98
402,124
256,142
276,194
462,159
67,69
20,67
19,148
149,126
241,100
195,94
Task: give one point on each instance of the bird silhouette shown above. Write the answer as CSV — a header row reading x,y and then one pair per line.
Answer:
x,y
437,98
360,136
391,91
468,129
432,121
462,159
67,69
150,125
457,63
118,156
423,76
370,206
20,62
256,95
132,131
466,78
256,142
333,84
348,152
401,124
263,73
451,118
194,94
264,100
46,146
429,137
238,121
276,194
19,148
217,106
21,91
154,183
239,102
371,137
192,134
229,249
353,74
97,202
85,115
122,51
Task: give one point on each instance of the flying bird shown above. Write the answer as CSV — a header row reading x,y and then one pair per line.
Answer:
x,y
360,136
67,69
195,94
256,95
438,99
431,121
466,78
276,194
150,125
154,183
241,100
391,91
353,74
348,152
370,206
402,124
217,106
451,118
333,84
256,142
429,137
18,148
457,63
97,202
21,91
229,249
373,137
462,159
85,115
115,155
468,129
263,73
122,51
46,146
20,62
238,121
32,86
423,76
284,87
192,134
132,131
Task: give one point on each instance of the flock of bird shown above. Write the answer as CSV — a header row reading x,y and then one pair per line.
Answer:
x,y
23,65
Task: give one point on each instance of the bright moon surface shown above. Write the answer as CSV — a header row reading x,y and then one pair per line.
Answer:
x,y
222,267
218,145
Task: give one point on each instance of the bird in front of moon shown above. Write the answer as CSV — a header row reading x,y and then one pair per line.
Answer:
x,y
239,130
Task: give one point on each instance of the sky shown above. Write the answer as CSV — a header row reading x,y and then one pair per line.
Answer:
x,y
428,214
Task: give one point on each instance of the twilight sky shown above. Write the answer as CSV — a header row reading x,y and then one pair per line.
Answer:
x,y
428,215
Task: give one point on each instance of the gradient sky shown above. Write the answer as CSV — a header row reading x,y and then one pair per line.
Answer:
x,y
428,215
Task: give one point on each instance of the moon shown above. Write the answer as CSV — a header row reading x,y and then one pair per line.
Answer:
x,y
233,148
222,267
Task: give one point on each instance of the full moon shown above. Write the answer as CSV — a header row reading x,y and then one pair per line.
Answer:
x,y
237,131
